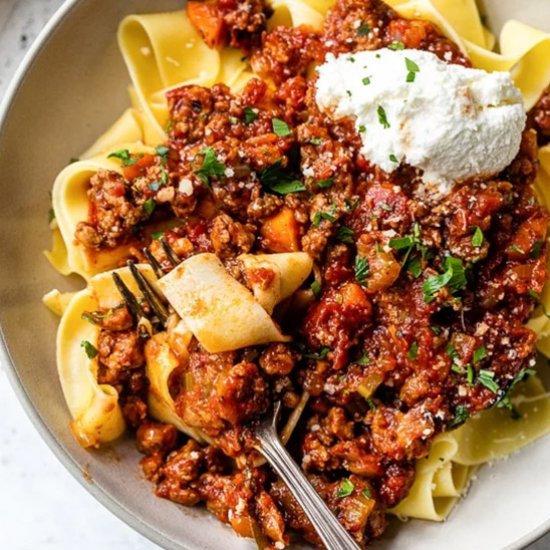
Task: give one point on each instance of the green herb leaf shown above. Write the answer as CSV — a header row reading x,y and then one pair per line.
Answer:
x,y
363,29
362,270
486,378
329,216
280,127
149,206
156,235
250,115
315,288
402,243
413,351
454,278
451,352
286,187
393,158
316,141
479,354
323,184
477,239
90,350
155,186
162,151
125,156
411,65
461,415
435,330
536,250
366,493
366,81
362,129
211,166
364,360
382,118
345,234
517,249
396,45
470,374
414,266
323,352
345,488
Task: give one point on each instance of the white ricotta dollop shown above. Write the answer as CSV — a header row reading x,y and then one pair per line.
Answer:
x,y
450,121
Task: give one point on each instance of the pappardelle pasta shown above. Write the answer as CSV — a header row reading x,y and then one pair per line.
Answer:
x,y
394,314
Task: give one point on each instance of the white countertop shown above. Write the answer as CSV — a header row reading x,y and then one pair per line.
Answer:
x,y
41,505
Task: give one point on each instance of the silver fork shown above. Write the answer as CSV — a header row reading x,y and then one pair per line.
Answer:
x,y
329,529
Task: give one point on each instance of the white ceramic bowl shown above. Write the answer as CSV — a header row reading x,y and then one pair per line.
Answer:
x,y
70,88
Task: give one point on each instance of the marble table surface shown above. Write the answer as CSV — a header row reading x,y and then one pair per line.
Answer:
x,y
41,505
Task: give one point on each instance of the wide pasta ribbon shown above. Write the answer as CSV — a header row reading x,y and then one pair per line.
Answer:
x,y
70,204
221,312
97,416
164,51
442,477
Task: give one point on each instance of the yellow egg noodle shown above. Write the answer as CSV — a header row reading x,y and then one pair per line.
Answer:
x,y
163,51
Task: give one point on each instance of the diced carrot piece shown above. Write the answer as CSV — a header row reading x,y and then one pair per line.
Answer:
x,y
281,232
207,20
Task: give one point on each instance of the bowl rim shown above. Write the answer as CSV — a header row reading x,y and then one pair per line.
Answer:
x,y
107,500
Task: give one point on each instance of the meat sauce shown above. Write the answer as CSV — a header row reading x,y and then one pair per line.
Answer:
x,y
414,322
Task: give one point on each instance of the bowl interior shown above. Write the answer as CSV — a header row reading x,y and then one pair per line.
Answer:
x,y
74,88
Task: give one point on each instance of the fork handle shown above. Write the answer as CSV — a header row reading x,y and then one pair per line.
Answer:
x,y
329,529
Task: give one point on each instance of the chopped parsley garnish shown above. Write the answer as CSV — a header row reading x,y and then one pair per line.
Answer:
x,y
435,330
382,118
396,45
351,59
211,166
349,93
536,250
162,152
486,378
479,354
363,29
250,115
315,288
362,270
156,235
362,129
414,267
329,216
149,206
345,489
413,351
316,141
477,239
345,234
366,493
470,374
413,68
323,184
125,156
364,360
280,127
454,278
451,352
286,187
505,402
402,243
275,179
393,158
517,249
89,348
461,415
366,81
